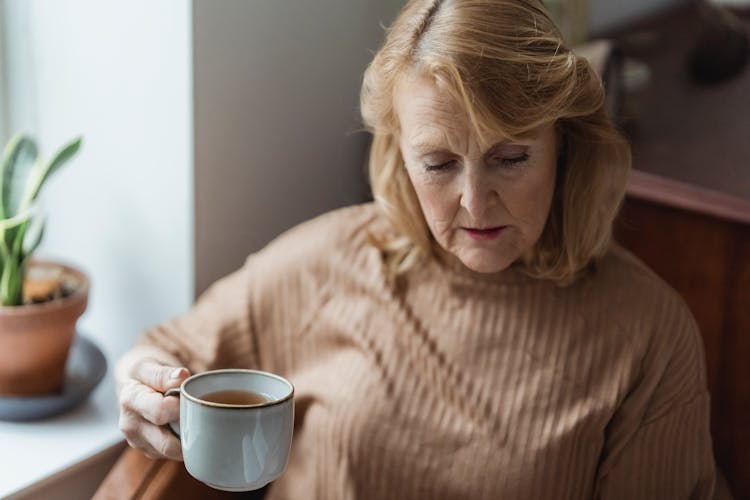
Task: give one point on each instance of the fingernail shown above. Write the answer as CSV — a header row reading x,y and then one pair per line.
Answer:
x,y
176,374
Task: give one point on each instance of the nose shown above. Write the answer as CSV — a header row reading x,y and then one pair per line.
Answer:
x,y
478,195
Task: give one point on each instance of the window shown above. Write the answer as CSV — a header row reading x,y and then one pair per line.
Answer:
x,y
3,84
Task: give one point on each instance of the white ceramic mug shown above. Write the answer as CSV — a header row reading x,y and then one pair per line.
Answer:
x,y
235,447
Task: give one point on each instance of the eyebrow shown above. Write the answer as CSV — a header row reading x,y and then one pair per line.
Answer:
x,y
426,147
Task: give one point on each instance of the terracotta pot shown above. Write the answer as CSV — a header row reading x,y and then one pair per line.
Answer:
x,y
35,339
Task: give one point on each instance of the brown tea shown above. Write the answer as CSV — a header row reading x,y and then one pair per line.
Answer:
x,y
235,397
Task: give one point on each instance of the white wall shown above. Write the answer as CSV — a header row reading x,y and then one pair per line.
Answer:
x,y
3,85
275,114
120,74
276,104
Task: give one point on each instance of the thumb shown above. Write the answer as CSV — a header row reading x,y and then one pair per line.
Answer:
x,y
159,377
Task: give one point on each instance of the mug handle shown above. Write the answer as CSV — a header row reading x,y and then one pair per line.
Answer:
x,y
174,427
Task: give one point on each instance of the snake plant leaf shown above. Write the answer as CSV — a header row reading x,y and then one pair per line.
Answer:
x,y
11,285
34,235
19,158
43,172
22,175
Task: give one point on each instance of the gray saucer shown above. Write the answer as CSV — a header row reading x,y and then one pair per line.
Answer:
x,y
85,369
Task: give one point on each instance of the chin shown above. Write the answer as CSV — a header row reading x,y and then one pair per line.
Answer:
x,y
486,264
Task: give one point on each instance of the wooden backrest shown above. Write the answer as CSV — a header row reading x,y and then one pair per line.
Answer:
x,y
707,260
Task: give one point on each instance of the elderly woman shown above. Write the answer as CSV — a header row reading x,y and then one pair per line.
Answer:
x,y
474,332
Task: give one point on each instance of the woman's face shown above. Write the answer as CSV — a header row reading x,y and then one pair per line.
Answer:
x,y
486,206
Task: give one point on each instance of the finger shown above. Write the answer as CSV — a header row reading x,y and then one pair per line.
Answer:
x,y
162,441
158,376
155,441
131,426
150,404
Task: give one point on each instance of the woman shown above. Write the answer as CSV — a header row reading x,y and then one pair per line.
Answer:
x,y
473,333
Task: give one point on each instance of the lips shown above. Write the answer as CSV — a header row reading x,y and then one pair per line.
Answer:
x,y
484,233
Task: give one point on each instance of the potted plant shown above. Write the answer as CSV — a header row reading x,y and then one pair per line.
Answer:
x,y
40,301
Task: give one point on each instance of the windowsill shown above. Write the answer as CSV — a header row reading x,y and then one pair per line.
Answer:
x,y
33,452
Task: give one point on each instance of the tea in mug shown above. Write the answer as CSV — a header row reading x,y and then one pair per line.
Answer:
x,y
235,397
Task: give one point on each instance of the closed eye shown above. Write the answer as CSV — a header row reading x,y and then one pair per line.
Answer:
x,y
506,162
512,162
439,167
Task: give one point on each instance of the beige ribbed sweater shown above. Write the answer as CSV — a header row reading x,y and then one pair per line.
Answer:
x,y
464,387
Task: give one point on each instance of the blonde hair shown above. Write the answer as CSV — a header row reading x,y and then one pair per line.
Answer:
x,y
505,62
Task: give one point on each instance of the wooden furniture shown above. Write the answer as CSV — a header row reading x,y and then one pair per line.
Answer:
x,y
137,477
687,214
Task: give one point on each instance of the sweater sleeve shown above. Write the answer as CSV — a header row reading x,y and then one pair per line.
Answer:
x,y
658,444
217,332
251,318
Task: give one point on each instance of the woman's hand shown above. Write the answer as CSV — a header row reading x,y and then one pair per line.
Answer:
x,y
144,411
